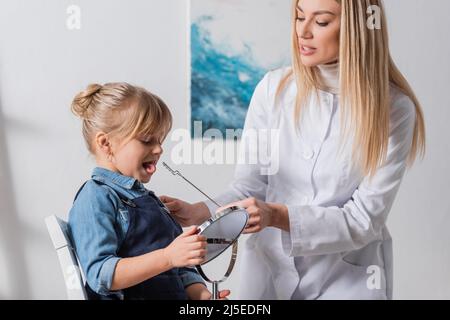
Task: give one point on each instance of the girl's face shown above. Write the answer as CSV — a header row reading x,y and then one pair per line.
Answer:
x,y
318,26
137,158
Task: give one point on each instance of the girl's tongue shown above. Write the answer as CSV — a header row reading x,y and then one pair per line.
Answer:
x,y
149,167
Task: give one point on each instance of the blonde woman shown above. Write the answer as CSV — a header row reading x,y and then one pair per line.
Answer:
x,y
349,124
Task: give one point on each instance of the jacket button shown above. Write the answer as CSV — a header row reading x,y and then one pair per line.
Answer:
x,y
308,154
305,200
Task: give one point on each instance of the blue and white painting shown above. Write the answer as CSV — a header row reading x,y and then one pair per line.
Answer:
x,y
233,44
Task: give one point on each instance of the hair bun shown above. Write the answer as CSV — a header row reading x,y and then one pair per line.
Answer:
x,y
83,100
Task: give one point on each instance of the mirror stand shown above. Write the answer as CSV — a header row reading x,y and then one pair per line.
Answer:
x,y
215,283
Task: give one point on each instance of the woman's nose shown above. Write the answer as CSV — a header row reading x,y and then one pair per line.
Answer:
x,y
303,31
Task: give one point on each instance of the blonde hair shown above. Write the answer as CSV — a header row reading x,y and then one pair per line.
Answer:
x,y
121,110
366,71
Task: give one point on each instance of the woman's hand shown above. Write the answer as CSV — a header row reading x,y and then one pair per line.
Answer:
x,y
262,215
185,213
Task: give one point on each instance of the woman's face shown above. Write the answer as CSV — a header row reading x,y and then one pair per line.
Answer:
x,y
318,26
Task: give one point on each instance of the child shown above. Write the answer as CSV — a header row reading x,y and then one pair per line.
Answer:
x,y
128,244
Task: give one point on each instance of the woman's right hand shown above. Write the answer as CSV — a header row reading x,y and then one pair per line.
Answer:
x,y
185,213
188,249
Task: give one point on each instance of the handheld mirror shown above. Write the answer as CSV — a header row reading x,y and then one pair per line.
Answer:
x,y
222,230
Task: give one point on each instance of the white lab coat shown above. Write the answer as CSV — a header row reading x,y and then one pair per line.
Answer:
x,y
338,235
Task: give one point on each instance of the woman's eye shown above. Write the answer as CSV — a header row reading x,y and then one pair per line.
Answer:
x,y
322,24
300,19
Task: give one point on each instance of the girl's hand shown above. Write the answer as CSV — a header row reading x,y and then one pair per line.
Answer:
x,y
188,249
262,215
223,294
185,213
199,291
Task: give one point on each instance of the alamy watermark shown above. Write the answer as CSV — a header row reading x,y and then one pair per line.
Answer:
x,y
374,20
72,277
73,21
256,147
374,280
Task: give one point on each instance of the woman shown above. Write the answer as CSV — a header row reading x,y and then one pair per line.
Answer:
x,y
348,125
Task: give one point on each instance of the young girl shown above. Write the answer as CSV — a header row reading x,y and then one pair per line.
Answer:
x,y
128,244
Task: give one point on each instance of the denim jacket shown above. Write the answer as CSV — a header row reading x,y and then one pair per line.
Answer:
x,y
98,224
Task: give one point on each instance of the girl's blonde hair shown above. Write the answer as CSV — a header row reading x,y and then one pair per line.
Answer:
x,y
366,71
122,111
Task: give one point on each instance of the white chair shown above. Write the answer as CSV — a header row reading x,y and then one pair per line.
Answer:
x,y
73,277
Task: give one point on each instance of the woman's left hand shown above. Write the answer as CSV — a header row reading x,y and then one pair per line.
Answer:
x,y
262,214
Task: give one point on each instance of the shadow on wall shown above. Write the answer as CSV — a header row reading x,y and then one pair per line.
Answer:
x,y
11,232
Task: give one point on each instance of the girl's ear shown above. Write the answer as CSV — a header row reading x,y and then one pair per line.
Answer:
x,y
103,143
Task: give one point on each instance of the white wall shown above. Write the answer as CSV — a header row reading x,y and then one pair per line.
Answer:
x,y
43,159
420,218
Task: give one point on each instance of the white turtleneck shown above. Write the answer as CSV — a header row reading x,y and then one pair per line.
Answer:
x,y
330,77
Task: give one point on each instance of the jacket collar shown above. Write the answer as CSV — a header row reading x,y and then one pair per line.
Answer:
x,y
107,176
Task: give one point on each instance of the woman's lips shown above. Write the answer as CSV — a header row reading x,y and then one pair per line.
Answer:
x,y
307,51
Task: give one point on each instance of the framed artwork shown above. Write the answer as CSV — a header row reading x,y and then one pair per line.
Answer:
x,y
233,43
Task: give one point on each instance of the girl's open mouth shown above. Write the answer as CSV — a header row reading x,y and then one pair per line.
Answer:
x,y
150,166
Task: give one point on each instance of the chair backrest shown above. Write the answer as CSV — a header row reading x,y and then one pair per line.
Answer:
x,y
73,277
